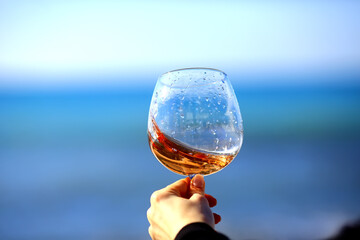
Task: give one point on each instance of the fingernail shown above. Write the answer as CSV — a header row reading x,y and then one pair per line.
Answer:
x,y
198,181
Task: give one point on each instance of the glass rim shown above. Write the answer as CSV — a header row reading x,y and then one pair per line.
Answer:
x,y
193,68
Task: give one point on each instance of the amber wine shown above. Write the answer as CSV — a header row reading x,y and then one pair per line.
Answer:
x,y
182,159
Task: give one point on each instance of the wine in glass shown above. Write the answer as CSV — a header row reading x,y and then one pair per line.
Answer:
x,y
194,125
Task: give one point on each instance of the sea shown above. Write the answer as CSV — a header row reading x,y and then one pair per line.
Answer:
x,y
75,163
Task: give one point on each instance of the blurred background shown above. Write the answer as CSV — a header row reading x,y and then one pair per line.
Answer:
x,y
76,79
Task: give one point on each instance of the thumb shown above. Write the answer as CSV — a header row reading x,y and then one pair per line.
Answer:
x,y
197,185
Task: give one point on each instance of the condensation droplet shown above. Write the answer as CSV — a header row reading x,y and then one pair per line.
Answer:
x,y
219,102
173,132
207,99
213,131
182,97
216,141
190,153
182,115
174,149
230,139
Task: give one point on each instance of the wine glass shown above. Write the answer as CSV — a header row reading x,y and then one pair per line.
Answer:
x,y
194,125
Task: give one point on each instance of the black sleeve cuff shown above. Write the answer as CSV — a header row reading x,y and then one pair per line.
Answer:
x,y
199,231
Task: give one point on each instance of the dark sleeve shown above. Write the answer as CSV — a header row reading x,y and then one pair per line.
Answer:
x,y
199,231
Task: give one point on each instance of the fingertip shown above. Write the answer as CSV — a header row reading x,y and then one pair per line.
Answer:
x,y
212,201
198,181
217,218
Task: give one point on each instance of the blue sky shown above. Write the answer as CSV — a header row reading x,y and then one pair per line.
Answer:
x,y
146,38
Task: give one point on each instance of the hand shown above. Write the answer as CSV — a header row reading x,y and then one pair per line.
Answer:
x,y
178,205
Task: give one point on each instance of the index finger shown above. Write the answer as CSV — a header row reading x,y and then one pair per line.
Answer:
x,y
179,188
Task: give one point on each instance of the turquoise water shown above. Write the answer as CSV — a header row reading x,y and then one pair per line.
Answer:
x,y
75,164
